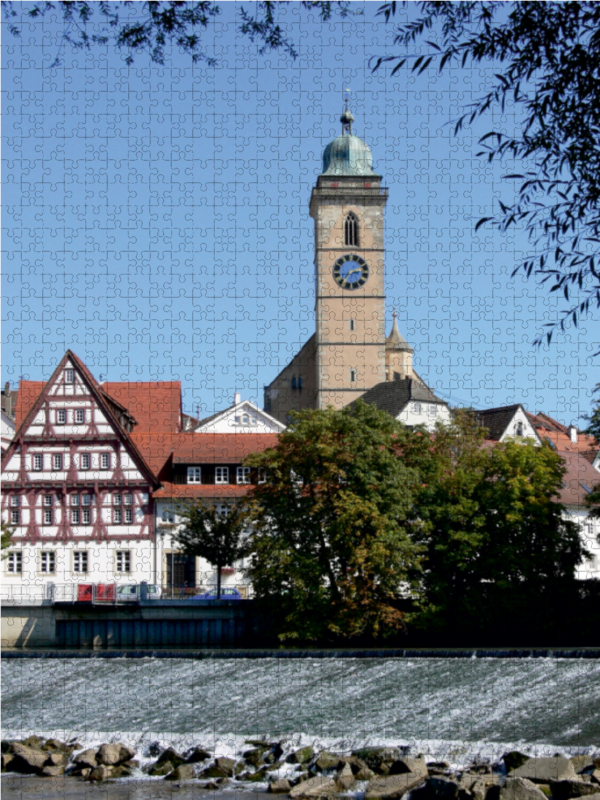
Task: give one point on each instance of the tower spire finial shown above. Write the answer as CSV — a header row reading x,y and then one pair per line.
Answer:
x,y
347,119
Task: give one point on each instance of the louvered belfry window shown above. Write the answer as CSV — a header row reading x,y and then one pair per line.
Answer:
x,y
351,230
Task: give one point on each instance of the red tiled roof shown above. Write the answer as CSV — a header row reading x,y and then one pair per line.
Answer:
x,y
208,492
579,473
29,391
155,405
558,434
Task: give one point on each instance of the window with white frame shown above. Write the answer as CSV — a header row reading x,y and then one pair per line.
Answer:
x,y
79,416
38,462
123,561
221,474
262,475
15,503
128,516
86,516
69,376
104,460
47,561
85,461
519,429
80,561
61,416
86,499
433,410
48,516
75,516
168,516
15,563
57,461
117,516
243,475
117,499
128,499
74,499
416,407
194,475
222,509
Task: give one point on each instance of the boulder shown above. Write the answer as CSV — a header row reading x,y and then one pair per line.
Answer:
x,y
112,754
101,773
391,786
281,786
6,759
595,776
326,761
210,786
582,763
364,774
56,746
378,758
87,758
156,770
184,772
121,771
437,788
345,778
222,768
53,771
317,786
170,755
474,789
405,764
85,772
565,790
27,760
57,760
544,770
33,741
521,789
254,756
259,775
196,754
300,756
514,759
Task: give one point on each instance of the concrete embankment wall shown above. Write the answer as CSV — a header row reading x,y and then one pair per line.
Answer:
x,y
159,625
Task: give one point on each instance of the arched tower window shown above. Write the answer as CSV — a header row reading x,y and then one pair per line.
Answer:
x,y
293,381
351,230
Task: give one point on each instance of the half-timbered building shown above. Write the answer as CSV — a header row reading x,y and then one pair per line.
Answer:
x,y
77,491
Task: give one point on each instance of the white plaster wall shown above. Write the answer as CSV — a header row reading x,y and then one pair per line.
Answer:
x,y
429,415
258,421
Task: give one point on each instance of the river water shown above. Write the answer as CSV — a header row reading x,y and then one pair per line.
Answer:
x,y
456,709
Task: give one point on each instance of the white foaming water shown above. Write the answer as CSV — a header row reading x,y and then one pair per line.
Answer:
x,y
458,710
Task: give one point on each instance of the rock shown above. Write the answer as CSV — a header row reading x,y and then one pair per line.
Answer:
x,y
471,788
27,760
565,790
438,765
121,771
53,771
405,764
582,763
259,775
326,761
57,760
170,755
514,759
301,756
161,769
33,741
101,773
85,772
345,778
184,772
281,786
54,745
521,789
258,743
378,758
112,754
86,759
196,754
364,774
391,786
254,756
222,768
6,759
438,788
595,776
544,770
211,786
317,786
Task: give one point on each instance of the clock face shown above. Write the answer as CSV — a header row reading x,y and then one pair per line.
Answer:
x,y
351,272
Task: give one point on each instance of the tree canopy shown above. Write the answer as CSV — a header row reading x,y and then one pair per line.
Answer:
x,y
213,533
331,548
547,60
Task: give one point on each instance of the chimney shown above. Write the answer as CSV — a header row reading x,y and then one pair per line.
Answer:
x,y
237,399
573,434
7,399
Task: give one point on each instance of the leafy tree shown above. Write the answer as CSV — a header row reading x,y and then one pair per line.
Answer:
x,y
593,429
330,542
210,533
495,534
6,537
150,27
545,58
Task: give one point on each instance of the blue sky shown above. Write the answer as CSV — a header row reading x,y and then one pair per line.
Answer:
x,y
156,218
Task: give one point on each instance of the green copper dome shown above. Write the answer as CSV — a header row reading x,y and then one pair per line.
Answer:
x,y
347,154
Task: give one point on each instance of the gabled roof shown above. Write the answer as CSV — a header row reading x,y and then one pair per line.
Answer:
x,y
27,409
393,396
559,436
580,473
231,411
497,420
219,448
155,405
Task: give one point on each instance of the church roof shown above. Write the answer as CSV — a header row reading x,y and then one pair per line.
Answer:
x,y
347,154
395,340
393,396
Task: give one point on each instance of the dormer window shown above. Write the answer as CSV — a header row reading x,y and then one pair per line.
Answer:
x,y
194,475
351,230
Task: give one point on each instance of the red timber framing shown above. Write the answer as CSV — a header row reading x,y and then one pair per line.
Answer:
x,y
54,438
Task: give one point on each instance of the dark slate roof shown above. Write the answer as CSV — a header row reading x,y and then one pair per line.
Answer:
x,y
496,420
392,396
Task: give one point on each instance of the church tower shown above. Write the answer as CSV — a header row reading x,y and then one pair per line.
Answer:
x,y
348,354
347,206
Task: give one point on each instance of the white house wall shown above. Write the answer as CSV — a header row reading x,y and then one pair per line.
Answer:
x,y
427,414
245,417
